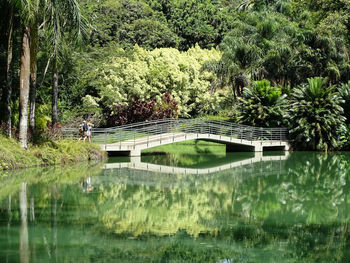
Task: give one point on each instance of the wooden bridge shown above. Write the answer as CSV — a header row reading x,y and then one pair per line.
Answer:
x,y
131,139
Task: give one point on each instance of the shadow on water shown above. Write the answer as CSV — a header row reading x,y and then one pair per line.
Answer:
x,y
290,210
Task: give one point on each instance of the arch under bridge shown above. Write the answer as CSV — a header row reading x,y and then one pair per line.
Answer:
x,y
131,139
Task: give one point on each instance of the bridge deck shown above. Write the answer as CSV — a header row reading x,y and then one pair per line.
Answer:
x,y
135,146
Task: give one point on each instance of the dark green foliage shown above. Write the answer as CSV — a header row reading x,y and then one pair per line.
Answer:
x,y
127,23
198,21
267,45
344,91
263,105
316,116
152,24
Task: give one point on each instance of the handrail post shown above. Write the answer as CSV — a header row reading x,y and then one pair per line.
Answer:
x,y
209,128
280,134
271,135
120,139
105,137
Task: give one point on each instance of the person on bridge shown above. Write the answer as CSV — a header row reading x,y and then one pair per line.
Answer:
x,y
83,128
88,131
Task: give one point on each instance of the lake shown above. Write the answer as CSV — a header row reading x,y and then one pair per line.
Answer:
x,y
225,208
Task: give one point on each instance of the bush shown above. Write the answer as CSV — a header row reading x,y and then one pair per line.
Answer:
x,y
138,111
317,122
12,156
263,105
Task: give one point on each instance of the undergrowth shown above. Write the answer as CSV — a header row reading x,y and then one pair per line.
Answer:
x,y
12,156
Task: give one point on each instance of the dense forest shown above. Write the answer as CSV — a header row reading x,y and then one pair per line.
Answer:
x,y
259,62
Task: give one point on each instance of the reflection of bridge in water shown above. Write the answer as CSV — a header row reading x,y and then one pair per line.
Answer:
x,y
139,173
136,164
134,138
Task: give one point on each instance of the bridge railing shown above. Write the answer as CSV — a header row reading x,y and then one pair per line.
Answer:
x,y
143,130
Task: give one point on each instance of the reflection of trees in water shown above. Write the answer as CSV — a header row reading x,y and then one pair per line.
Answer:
x,y
23,231
189,155
306,204
319,187
295,208
36,201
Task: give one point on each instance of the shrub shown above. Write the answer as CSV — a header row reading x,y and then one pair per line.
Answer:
x,y
344,91
263,105
316,114
138,111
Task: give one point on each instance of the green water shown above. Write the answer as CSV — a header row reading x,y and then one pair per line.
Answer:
x,y
296,209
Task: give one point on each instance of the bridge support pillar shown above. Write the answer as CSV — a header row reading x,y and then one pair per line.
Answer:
x,y
287,147
134,153
258,148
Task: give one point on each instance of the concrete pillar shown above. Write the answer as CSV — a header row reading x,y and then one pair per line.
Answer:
x,y
287,147
135,153
258,148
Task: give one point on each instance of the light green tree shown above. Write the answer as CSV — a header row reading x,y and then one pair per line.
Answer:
x,y
149,74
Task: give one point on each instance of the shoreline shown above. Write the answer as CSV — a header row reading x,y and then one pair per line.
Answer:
x,y
66,151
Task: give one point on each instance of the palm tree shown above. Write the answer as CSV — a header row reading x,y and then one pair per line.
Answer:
x,y
8,70
317,117
24,87
241,57
59,16
263,105
344,91
33,73
73,23
29,13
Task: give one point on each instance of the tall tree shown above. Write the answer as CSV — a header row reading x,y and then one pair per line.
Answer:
x,y
33,74
24,87
59,16
72,23
54,93
29,11
9,70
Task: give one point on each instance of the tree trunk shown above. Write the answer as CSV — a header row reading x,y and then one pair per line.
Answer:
x,y
55,94
24,88
33,74
32,96
9,74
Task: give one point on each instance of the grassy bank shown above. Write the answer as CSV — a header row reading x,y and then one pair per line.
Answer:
x,y
189,147
12,156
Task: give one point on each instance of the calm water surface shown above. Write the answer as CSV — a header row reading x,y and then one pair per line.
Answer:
x,y
294,208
